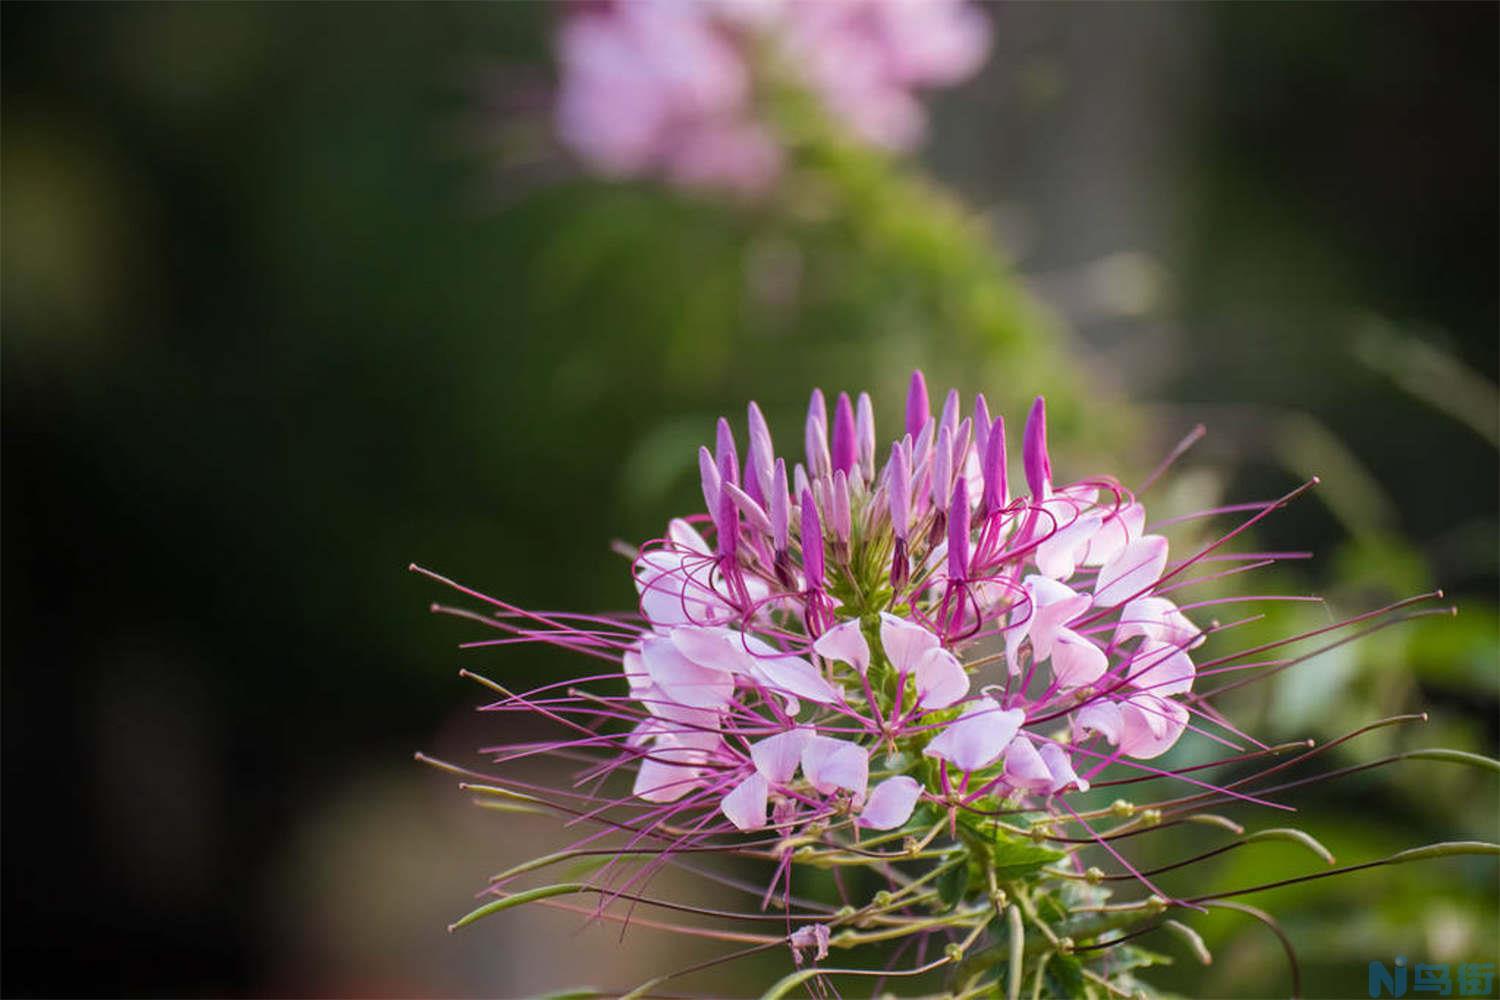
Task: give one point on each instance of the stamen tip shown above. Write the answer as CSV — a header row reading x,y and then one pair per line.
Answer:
x,y
1423,716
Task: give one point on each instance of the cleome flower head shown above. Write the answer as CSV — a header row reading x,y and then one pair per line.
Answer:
x,y
898,658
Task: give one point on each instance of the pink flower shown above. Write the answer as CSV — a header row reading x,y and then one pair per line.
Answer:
x,y
816,654
668,89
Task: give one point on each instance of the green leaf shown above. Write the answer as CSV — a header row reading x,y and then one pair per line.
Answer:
x,y
953,885
517,899
1064,977
1013,859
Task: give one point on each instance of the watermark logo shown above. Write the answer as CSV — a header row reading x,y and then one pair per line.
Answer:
x,y
1465,979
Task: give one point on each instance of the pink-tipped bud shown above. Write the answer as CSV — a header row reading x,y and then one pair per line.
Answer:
x,y
815,436
942,469
1034,451
839,514
918,409
812,542
950,412
709,473
779,503
761,456
864,436
725,455
899,485
982,422
844,443
958,531
996,488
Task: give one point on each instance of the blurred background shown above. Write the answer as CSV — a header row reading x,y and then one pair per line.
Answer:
x,y
296,294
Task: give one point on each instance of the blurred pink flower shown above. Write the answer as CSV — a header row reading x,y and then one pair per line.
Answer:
x,y
664,88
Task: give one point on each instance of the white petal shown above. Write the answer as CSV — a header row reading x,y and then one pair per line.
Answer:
x,y
1131,573
890,803
746,804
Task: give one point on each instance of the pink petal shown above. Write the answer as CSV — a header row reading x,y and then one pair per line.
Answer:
x,y
683,681
890,803
661,778
1053,605
1057,556
1151,725
1063,775
977,736
776,757
830,764
1159,620
1118,530
941,680
1162,669
1101,716
1133,572
792,678
847,643
1076,661
1024,767
746,804
904,642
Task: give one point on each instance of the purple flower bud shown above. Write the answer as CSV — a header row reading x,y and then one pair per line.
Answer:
x,y
727,521
761,456
950,412
982,422
800,482
710,476
844,443
727,458
812,543
942,469
839,513
864,435
958,531
815,436
747,506
779,503
918,410
1034,451
961,446
996,489
900,491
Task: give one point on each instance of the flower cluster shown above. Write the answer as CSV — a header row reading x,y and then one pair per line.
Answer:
x,y
907,644
850,586
654,87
